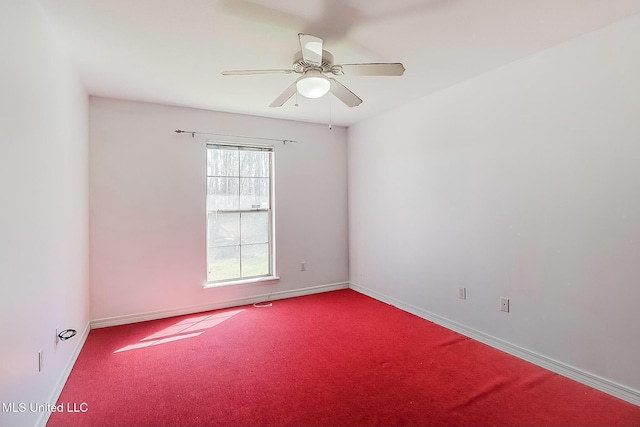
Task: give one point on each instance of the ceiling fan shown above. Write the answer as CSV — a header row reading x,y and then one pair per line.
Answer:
x,y
315,64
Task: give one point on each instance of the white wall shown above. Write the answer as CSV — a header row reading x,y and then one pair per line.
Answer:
x,y
522,183
44,215
147,205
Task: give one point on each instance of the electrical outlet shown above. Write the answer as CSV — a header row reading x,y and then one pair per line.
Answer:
x,y
504,304
462,293
40,360
303,266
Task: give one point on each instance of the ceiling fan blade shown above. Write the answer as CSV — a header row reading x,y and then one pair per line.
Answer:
x,y
343,94
252,72
311,47
372,69
284,96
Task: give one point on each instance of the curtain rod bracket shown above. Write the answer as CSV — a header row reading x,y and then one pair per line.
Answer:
x,y
193,134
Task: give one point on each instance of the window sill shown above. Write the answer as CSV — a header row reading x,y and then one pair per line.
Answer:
x,y
253,281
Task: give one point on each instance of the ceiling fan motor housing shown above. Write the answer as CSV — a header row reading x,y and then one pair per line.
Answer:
x,y
300,65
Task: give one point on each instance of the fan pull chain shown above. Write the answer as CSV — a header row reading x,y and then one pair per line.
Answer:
x,y
329,113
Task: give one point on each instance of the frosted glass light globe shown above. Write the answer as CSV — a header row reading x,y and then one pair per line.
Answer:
x,y
313,85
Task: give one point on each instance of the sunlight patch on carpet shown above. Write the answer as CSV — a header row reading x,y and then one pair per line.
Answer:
x,y
184,329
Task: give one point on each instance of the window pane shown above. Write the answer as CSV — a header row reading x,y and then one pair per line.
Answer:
x,y
222,162
224,229
255,227
254,193
238,246
224,263
223,193
254,164
255,260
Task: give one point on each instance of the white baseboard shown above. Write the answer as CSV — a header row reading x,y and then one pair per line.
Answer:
x,y
141,317
62,379
597,382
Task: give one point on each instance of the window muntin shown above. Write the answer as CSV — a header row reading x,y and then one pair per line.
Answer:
x,y
239,213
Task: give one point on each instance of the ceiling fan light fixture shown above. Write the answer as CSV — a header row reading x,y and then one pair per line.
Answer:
x,y
313,85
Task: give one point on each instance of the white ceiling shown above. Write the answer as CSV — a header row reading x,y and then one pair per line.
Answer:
x,y
172,51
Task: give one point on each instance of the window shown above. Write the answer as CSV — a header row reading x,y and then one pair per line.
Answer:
x,y
239,213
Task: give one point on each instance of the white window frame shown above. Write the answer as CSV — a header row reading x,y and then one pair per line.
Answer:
x,y
271,275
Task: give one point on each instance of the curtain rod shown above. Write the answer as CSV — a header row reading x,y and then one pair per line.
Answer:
x,y
193,134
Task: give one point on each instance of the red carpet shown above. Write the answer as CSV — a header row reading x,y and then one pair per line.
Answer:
x,y
333,359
